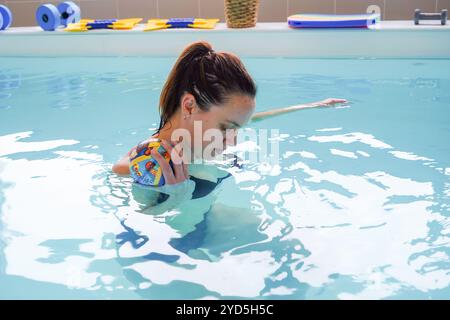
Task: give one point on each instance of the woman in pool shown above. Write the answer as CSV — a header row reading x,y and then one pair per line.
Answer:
x,y
215,89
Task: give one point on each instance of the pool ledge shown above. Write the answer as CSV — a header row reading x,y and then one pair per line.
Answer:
x,y
392,39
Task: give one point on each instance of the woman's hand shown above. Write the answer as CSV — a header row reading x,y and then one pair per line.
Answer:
x,y
180,170
330,102
122,167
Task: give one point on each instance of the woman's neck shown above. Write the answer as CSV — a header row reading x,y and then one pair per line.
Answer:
x,y
165,133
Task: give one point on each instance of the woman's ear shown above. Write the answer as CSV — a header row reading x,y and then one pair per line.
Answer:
x,y
188,105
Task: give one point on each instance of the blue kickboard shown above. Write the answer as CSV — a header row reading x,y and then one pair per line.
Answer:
x,y
333,21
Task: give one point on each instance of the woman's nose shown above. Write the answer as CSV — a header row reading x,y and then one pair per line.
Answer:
x,y
230,138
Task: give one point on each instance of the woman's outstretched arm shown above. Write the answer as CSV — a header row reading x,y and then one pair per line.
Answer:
x,y
274,112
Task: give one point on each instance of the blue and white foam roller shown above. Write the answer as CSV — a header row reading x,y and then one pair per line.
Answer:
x,y
5,17
48,17
70,13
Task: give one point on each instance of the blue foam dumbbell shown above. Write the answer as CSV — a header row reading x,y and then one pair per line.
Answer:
x,y
50,17
5,17
70,13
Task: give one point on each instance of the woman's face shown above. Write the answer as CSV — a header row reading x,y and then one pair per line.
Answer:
x,y
222,121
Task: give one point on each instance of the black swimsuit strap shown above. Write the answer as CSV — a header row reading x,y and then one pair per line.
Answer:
x,y
204,187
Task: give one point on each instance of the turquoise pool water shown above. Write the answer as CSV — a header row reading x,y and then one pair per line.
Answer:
x,y
358,207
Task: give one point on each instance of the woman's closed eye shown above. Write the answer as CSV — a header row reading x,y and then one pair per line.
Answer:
x,y
224,127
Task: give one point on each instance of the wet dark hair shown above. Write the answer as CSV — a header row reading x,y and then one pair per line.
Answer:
x,y
211,77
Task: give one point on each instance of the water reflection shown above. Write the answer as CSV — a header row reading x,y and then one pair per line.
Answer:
x,y
197,231
375,230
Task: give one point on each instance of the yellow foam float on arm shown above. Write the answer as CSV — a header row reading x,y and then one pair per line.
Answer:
x,y
195,23
91,24
126,24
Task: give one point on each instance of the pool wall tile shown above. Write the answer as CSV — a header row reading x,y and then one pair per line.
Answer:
x,y
359,6
272,10
178,9
23,12
404,9
443,4
311,6
212,9
137,9
99,9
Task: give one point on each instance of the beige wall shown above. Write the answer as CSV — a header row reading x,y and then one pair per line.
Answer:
x,y
270,10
